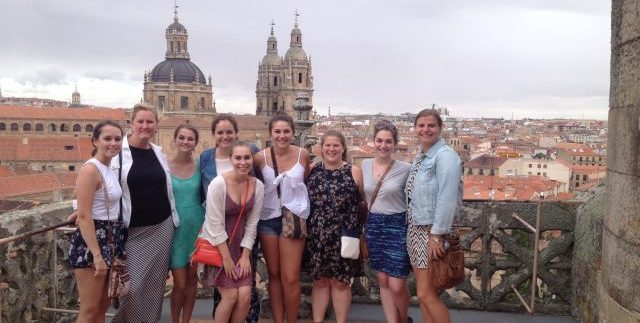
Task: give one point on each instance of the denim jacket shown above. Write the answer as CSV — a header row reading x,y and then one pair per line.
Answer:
x,y
437,188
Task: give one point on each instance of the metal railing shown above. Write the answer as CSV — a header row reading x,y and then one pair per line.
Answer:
x,y
53,235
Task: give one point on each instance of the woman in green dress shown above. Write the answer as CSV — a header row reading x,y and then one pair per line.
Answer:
x,y
186,182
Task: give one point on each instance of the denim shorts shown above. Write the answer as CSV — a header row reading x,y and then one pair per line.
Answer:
x,y
270,227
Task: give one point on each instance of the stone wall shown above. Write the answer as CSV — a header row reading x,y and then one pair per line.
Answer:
x,y
587,254
621,226
26,266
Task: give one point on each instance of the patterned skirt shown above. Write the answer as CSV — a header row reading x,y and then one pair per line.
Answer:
x,y
81,257
148,251
417,238
386,240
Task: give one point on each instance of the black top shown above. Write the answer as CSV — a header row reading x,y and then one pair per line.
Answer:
x,y
148,189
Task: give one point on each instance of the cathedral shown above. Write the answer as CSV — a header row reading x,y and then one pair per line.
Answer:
x,y
282,81
177,85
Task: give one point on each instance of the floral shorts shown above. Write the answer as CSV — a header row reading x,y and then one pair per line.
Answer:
x,y
81,257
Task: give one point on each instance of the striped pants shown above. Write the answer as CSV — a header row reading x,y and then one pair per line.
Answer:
x,y
148,252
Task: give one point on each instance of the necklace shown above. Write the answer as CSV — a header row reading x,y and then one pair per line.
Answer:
x,y
378,171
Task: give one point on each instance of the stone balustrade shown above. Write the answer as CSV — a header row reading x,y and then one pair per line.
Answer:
x,y
499,254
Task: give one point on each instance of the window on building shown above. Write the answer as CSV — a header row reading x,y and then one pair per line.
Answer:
x,y
544,166
529,173
470,171
88,128
39,127
274,106
577,177
26,127
3,127
14,126
577,184
72,168
77,128
584,177
202,102
184,102
538,173
68,147
530,165
179,50
275,81
171,42
481,172
299,77
52,127
492,172
64,128
539,166
544,174
161,101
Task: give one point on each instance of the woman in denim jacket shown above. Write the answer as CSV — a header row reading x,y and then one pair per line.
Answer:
x,y
433,198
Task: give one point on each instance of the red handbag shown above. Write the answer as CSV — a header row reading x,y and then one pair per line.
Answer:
x,y
208,254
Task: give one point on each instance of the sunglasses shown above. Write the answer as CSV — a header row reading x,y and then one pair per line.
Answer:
x,y
385,125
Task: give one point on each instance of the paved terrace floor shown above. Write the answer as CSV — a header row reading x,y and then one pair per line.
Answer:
x,y
373,313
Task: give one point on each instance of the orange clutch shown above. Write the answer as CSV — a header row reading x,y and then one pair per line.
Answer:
x,y
207,254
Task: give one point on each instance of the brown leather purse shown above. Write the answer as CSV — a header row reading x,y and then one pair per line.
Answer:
x,y
448,271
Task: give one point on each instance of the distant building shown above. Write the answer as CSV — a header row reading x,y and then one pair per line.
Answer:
x,y
177,85
282,80
483,165
551,169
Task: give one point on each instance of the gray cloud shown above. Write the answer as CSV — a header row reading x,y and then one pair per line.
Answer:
x,y
374,55
44,76
105,75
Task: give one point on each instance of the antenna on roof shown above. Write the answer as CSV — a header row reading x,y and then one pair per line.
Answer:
x,y
175,10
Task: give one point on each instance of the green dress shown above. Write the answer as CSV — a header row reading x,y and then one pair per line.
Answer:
x,y
186,193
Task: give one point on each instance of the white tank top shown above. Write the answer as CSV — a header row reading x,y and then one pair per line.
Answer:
x,y
293,192
99,210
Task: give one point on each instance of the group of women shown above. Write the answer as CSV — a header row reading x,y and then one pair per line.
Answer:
x,y
234,195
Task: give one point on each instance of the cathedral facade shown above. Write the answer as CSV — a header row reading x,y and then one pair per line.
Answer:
x,y
177,85
282,80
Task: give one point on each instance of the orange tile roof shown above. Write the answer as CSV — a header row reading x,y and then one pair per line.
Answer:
x,y
5,171
21,185
61,113
45,149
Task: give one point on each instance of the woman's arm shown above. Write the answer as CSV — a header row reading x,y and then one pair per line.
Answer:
x,y
448,173
88,182
213,226
306,162
253,216
363,208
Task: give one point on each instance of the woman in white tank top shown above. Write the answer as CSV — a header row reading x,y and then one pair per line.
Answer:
x,y
283,256
90,253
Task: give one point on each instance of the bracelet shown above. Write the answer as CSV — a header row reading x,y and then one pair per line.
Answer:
x,y
435,238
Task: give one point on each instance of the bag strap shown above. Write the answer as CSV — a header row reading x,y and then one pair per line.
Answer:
x,y
244,205
377,189
106,202
120,182
275,168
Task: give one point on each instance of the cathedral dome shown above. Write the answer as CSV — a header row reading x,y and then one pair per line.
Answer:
x,y
184,71
177,27
295,54
271,59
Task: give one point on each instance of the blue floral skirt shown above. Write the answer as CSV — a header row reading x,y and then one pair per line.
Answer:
x,y
80,256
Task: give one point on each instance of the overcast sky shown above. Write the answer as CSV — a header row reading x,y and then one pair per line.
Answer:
x,y
492,58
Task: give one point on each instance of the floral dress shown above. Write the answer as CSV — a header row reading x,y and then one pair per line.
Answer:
x,y
334,201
